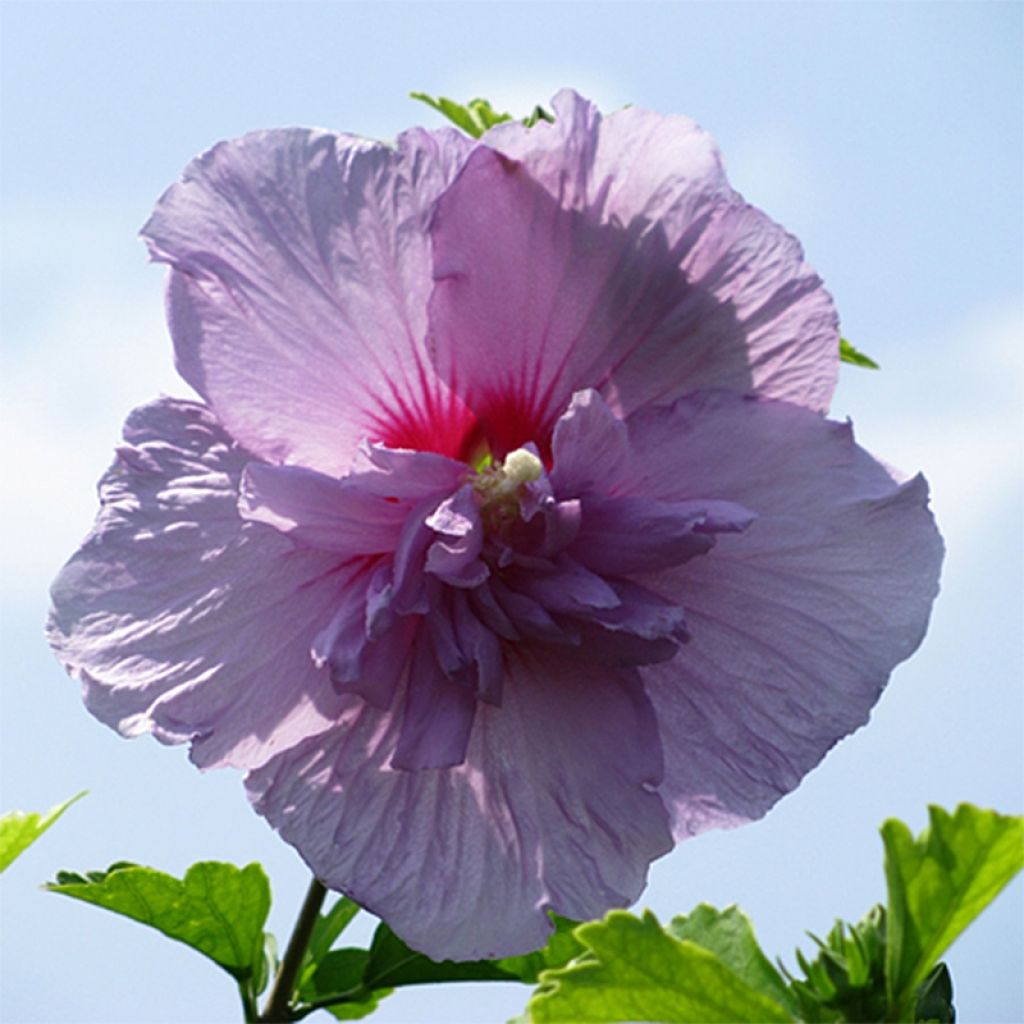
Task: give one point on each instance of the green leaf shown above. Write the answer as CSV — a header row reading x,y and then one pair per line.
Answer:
x,y
392,963
477,116
730,936
562,947
474,117
938,884
538,114
846,981
634,970
935,998
20,829
330,925
848,354
217,909
337,985
326,930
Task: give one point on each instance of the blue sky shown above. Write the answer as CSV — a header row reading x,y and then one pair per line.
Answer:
x,y
886,136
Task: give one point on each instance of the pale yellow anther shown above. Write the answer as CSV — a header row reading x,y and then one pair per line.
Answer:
x,y
520,467
499,485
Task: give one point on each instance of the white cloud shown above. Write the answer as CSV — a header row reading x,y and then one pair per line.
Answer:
x,y
773,170
952,407
69,381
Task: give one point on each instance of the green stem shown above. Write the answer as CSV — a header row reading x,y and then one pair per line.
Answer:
x,y
249,1007
278,1009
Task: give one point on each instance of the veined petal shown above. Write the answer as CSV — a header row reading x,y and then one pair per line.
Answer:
x,y
297,299
538,816
321,511
797,622
182,619
611,253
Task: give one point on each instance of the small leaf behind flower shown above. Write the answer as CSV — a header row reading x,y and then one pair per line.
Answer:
x,y
538,114
337,985
217,909
476,116
20,829
350,982
634,970
849,354
562,947
392,963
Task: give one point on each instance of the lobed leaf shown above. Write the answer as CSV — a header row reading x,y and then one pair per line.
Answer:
x,y
938,884
20,829
217,909
634,970
729,934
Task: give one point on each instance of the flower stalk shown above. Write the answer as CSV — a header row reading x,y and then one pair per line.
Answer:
x,y
278,1008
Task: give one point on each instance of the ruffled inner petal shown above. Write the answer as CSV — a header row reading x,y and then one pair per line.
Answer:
x,y
628,535
437,718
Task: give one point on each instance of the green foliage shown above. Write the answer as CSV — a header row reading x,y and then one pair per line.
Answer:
x,y
730,936
476,116
562,947
349,983
634,970
848,354
337,985
329,926
538,114
20,829
708,966
846,981
217,909
935,998
938,884
392,963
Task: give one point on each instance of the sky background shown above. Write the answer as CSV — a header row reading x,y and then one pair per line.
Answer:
x,y
886,136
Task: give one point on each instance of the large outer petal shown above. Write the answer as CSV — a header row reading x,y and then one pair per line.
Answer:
x,y
611,253
796,623
181,619
297,299
463,862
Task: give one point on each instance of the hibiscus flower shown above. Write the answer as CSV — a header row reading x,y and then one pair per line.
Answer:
x,y
509,543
